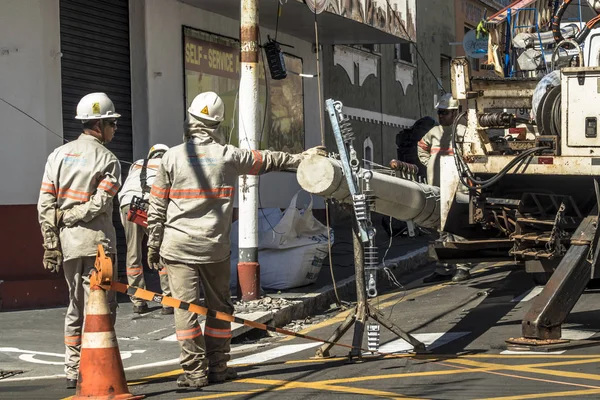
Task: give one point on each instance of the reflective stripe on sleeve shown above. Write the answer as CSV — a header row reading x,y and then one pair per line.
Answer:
x,y
257,164
48,187
108,186
159,192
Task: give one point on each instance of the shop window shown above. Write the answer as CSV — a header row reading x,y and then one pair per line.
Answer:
x,y
212,64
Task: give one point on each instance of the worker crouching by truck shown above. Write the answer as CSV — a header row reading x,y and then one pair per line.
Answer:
x,y
133,200
189,222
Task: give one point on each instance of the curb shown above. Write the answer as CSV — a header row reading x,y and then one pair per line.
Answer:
x,y
313,303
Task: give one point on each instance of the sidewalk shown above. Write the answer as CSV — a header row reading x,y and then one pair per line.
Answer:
x,y
32,340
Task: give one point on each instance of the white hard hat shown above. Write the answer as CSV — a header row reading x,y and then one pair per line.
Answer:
x,y
157,148
96,106
446,102
207,106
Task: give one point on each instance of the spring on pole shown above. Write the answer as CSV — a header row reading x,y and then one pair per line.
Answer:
x,y
346,129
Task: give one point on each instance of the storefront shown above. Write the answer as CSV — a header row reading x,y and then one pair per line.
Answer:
x,y
152,57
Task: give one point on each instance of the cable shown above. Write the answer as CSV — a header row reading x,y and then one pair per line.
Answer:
x,y
316,24
465,174
29,116
277,21
65,141
390,9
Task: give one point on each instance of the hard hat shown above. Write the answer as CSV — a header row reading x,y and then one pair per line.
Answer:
x,y
446,102
207,106
157,148
96,106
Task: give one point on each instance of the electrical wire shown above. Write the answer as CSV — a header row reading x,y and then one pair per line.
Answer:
x,y
318,64
466,176
65,141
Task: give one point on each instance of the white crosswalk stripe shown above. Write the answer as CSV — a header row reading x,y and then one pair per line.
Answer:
x,y
430,340
528,295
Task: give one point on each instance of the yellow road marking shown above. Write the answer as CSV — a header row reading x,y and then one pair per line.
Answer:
x,y
432,357
547,395
538,368
227,394
342,316
146,379
529,378
286,385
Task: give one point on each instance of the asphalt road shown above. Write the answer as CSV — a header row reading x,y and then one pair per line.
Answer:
x,y
463,325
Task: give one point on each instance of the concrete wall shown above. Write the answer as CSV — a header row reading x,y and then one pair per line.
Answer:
x,y
29,80
162,21
383,92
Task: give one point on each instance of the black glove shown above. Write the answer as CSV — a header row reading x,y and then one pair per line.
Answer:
x,y
154,258
53,260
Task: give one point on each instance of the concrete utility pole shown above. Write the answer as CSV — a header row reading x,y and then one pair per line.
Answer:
x,y
248,126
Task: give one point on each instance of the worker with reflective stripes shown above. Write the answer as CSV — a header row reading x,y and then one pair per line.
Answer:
x,y
189,222
438,142
75,209
137,184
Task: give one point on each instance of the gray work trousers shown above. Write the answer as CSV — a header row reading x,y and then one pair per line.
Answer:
x,y
134,234
209,350
77,274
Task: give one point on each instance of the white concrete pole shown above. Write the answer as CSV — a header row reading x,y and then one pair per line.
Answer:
x,y
402,199
248,126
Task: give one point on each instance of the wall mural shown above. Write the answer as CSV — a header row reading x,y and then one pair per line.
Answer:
x,y
381,14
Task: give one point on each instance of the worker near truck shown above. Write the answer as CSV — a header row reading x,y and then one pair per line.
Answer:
x,y
189,222
137,186
435,143
75,209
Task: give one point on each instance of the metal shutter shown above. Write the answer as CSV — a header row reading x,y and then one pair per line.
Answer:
x,y
94,38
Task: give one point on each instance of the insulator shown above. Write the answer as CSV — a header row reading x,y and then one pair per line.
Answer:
x,y
496,120
360,207
373,337
371,257
404,167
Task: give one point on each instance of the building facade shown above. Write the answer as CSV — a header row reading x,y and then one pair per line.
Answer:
x,y
151,57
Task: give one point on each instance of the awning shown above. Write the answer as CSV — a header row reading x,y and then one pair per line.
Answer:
x,y
501,15
335,26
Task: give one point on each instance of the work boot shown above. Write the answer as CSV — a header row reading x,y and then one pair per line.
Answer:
x,y
436,277
141,309
186,380
71,383
461,275
226,374
167,311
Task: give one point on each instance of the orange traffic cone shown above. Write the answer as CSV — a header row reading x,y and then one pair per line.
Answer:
x,y
101,374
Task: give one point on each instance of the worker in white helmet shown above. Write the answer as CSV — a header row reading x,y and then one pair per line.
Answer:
x,y
438,142
189,222
137,188
75,213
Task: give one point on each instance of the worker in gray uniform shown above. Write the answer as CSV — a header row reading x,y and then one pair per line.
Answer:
x,y
189,223
75,209
438,142
137,186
